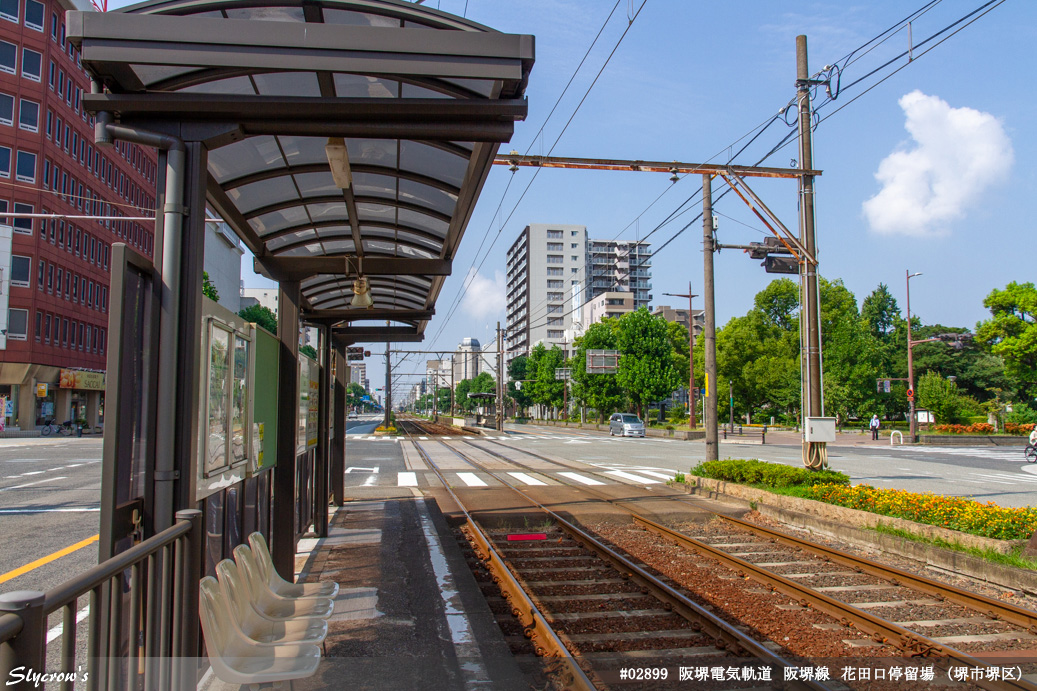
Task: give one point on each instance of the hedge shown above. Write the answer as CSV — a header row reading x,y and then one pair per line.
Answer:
x,y
751,472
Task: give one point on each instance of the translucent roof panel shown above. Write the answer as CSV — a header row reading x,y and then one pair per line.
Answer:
x,y
273,88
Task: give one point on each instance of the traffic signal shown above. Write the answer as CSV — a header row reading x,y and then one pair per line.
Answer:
x,y
781,265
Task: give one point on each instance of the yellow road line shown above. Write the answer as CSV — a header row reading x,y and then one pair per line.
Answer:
x,y
47,559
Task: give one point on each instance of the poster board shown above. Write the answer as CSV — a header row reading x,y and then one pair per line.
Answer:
x,y
264,400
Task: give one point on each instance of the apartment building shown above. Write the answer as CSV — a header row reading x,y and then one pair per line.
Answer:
x,y
544,265
54,299
610,305
680,316
466,360
554,270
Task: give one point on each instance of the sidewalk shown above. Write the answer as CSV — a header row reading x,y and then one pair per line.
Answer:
x,y
790,438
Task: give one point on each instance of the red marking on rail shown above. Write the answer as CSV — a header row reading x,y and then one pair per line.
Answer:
x,y
526,536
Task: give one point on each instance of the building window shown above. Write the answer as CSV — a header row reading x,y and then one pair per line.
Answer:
x,y
72,341
64,332
555,333
46,329
26,169
555,272
8,57
101,340
61,275
553,234
40,273
50,278
9,10
554,321
54,26
80,336
5,161
556,284
21,271
29,115
104,298
50,123
32,64
23,225
34,15
574,257
86,341
555,296
554,247
18,324
6,109
555,259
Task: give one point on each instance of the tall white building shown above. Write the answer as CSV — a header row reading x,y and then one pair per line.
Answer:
x,y
554,270
544,264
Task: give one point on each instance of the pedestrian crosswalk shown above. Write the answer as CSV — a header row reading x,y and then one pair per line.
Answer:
x,y
570,438
604,475
1011,454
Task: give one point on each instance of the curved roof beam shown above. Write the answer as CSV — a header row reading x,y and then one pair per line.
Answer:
x,y
355,168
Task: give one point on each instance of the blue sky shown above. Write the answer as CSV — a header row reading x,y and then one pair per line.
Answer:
x,y
942,148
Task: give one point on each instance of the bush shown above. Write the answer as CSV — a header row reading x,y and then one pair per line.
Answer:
x,y
956,513
653,415
749,472
1021,414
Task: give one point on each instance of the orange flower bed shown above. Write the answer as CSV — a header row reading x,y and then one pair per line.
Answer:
x,y
983,428
955,513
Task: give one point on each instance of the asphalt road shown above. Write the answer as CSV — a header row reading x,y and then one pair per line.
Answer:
x,y
1000,475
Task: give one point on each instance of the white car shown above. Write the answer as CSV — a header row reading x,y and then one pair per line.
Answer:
x,y
626,425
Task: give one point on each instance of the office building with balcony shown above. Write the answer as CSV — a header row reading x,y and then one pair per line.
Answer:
x,y
54,298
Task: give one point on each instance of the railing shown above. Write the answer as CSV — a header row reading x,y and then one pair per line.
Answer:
x,y
737,431
151,588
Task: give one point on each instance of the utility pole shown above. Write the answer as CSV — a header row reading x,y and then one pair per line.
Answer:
x,y
709,403
691,356
731,404
815,454
500,381
387,399
913,420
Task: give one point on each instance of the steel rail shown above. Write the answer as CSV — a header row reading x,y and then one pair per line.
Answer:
x,y
546,641
725,636
993,608
881,629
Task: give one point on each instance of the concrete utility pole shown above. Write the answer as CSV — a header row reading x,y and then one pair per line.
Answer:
x,y
709,402
691,355
499,417
815,453
913,419
387,398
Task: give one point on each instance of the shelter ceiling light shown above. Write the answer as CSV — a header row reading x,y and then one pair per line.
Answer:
x,y
338,160
362,293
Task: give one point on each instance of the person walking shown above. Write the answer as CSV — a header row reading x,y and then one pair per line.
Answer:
x,y
874,426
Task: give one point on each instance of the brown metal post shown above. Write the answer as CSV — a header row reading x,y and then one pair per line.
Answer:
x,y
691,361
320,479
191,572
338,441
814,453
283,512
28,648
709,407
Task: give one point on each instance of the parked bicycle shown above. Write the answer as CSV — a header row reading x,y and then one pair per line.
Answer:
x,y
50,427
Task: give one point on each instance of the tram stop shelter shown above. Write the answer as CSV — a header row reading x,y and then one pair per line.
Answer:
x,y
341,140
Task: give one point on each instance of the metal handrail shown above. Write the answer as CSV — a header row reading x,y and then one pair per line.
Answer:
x,y
82,584
168,619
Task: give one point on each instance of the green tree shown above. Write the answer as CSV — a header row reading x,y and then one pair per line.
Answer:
x,y
1011,333
547,391
853,354
601,392
208,289
648,369
516,374
260,315
941,396
881,313
308,351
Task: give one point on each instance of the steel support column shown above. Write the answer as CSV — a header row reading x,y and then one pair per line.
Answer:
x,y
320,479
285,490
337,464
709,401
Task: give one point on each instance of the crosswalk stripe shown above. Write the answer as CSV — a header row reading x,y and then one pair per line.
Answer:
x,y
1006,476
653,473
407,480
529,479
471,479
581,478
639,479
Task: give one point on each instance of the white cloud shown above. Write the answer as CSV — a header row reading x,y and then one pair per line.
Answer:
x,y
485,297
956,154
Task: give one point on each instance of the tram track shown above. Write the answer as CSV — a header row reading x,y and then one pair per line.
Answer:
x,y
592,611
914,606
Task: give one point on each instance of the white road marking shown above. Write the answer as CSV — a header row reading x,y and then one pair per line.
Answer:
x,y
371,479
57,630
33,472
64,510
407,479
582,478
361,470
471,479
639,479
528,479
653,473
30,484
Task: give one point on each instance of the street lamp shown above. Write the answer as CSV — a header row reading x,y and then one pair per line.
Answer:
x,y
691,355
912,422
